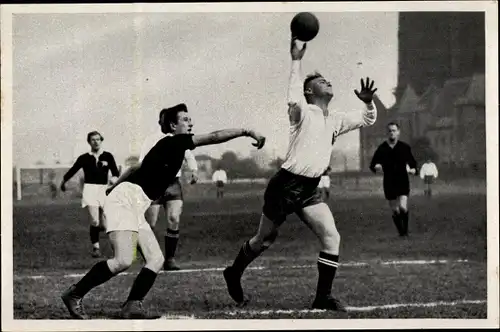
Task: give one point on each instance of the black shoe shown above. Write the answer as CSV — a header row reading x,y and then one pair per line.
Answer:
x,y
170,265
96,252
328,303
133,310
74,304
233,282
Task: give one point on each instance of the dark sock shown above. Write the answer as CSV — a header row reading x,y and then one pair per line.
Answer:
x,y
396,217
404,222
171,239
142,284
94,234
98,274
327,267
245,257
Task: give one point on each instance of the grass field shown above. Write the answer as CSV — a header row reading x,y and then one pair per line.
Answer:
x,y
439,272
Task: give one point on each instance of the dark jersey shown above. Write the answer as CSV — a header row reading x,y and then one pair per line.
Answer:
x,y
95,170
394,161
161,164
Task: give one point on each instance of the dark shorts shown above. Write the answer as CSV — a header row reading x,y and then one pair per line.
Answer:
x,y
173,193
219,184
428,179
287,193
395,188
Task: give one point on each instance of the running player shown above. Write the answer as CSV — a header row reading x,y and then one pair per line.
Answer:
x,y
395,159
125,206
172,199
294,188
96,165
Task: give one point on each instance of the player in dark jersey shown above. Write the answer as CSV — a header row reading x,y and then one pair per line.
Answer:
x,y
96,165
125,205
396,160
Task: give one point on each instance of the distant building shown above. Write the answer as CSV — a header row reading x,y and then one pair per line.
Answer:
x,y
441,88
205,167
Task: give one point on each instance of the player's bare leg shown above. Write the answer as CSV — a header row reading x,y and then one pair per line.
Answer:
x,y
396,215
402,202
150,249
95,216
123,243
251,249
173,210
152,215
319,219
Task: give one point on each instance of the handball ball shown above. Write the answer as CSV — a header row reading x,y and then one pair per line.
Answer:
x,y
304,26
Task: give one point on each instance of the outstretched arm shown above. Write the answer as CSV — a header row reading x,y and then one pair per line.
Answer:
x,y
71,172
129,171
359,118
222,136
296,99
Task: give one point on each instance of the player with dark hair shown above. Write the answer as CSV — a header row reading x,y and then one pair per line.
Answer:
x,y
172,199
396,160
294,188
96,165
125,205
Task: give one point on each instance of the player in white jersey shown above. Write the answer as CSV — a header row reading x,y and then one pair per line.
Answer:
x,y
428,173
294,189
172,200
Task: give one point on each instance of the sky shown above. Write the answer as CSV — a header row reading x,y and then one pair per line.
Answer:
x,y
74,73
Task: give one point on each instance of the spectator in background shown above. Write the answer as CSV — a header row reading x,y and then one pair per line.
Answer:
x,y
220,179
428,173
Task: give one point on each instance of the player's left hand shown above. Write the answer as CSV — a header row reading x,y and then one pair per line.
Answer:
x,y
412,171
261,140
367,91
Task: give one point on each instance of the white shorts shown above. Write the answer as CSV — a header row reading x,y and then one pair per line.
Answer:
x,y
124,208
93,194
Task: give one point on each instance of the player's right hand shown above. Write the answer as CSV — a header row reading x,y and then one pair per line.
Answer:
x,y
261,140
63,187
378,168
296,52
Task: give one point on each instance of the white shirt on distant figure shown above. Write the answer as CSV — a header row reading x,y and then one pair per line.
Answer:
x,y
311,138
151,141
428,169
219,175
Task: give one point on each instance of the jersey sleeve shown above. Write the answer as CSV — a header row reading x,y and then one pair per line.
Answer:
x,y
295,99
75,168
113,167
377,159
411,160
183,141
346,122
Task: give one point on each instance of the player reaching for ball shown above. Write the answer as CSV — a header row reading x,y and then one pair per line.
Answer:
x,y
294,188
128,199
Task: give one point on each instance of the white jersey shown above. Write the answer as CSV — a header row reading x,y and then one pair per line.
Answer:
x,y
313,133
428,169
151,141
324,182
219,175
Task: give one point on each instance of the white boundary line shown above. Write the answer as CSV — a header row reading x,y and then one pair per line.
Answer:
x,y
350,309
218,269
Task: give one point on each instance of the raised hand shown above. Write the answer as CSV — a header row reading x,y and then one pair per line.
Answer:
x,y
367,91
296,52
